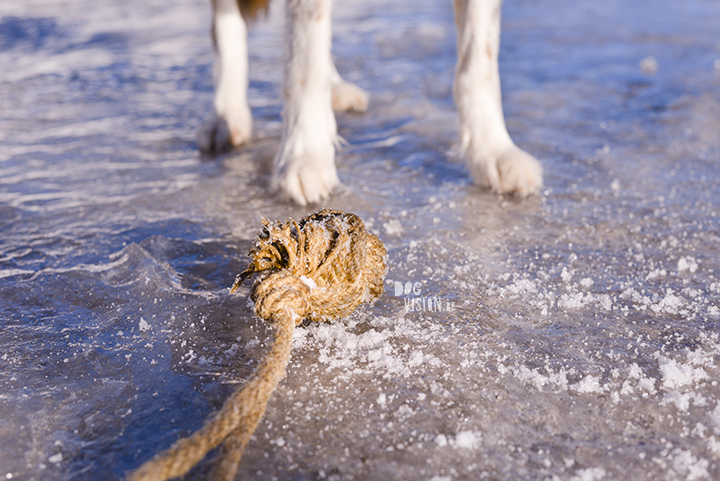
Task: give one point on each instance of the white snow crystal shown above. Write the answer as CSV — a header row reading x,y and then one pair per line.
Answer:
x,y
589,474
518,288
604,301
404,412
685,463
144,326
589,384
467,439
670,304
648,384
635,371
393,227
687,264
308,282
676,375
573,300
649,65
56,458
565,275
715,418
656,273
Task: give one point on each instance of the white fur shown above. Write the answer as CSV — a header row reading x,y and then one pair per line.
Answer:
x,y
346,95
492,157
305,165
231,121
304,169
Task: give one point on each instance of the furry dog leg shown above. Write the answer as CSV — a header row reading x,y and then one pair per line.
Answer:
x,y
305,165
492,157
231,123
347,96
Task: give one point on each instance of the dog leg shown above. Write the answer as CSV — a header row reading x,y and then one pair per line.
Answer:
x,y
305,165
231,122
492,157
347,96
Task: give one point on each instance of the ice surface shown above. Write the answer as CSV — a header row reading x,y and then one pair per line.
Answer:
x,y
579,336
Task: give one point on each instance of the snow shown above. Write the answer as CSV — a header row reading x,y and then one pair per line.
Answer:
x,y
589,384
393,227
467,439
308,282
649,65
589,474
144,326
670,304
675,374
687,264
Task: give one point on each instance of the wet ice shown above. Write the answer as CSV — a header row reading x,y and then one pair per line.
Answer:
x,y
584,340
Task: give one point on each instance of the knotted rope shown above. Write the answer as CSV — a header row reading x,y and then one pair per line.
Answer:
x,y
320,268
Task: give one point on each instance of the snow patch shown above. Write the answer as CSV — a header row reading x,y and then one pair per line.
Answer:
x,y
687,264
589,474
589,384
462,440
669,304
393,227
144,326
675,375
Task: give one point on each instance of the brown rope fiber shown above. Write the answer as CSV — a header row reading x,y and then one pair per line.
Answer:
x,y
320,268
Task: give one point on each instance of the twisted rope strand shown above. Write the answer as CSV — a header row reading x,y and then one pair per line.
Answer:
x,y
234,445
240,413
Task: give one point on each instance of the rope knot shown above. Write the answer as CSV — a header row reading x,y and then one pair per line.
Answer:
x,y
279,292
328,259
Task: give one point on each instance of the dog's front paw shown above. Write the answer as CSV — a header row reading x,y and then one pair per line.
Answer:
x,y
220,133
514,171
347,96
306,180
520,173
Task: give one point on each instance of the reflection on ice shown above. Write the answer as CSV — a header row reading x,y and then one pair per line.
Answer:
x,y
583,343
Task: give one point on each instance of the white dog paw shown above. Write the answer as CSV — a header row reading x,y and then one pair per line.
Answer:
x,y
347,96
512,172
306,182
520,173
221,133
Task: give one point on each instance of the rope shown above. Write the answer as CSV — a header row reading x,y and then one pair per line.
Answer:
x,y
320,268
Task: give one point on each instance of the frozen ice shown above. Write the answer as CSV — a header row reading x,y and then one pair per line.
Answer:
x,y
583,342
